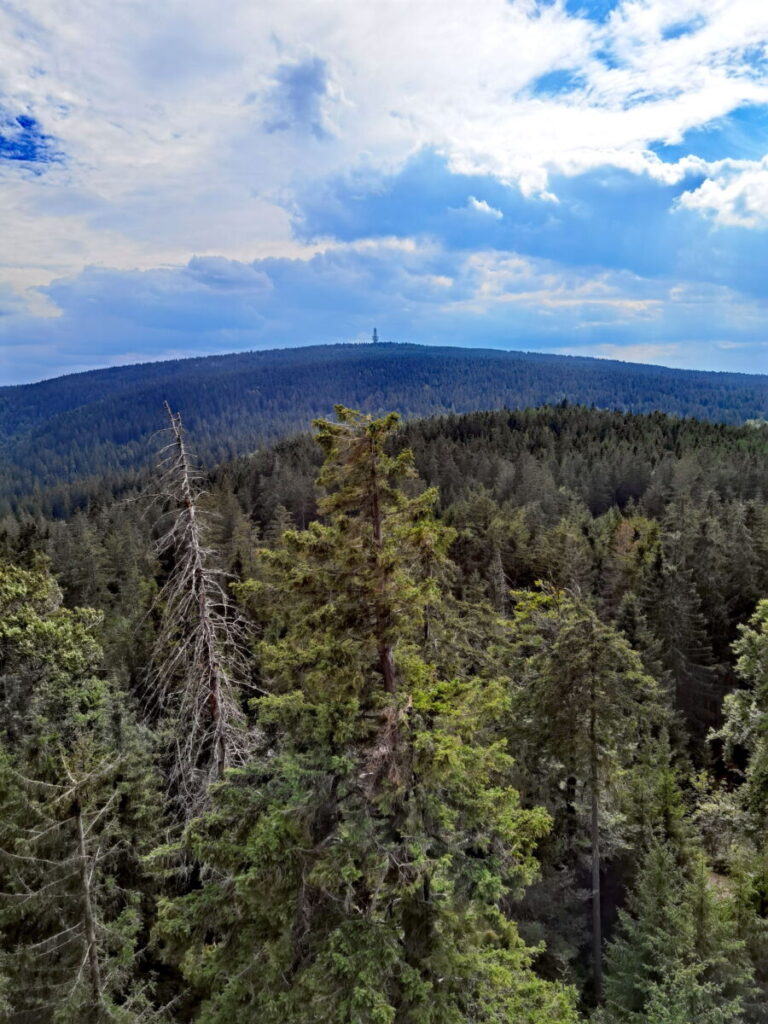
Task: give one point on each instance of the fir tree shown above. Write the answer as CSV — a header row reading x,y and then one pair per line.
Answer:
x,y
748,882
76,812
356,867
677,956
746,712
583,703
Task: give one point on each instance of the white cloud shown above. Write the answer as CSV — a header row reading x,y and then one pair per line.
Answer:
x,y
495,280
165,112
736,194
481,206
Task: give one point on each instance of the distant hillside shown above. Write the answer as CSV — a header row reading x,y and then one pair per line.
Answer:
x,y
60,434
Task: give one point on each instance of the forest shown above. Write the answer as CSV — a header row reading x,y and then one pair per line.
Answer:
x,y
67,441
457,720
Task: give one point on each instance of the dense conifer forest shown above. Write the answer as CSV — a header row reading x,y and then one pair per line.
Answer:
x,y
63,440
460,720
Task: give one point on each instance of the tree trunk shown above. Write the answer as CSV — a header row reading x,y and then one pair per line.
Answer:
x,y
594,783
387,665
498,583
418,942
210,667
571,818
94,968
386,655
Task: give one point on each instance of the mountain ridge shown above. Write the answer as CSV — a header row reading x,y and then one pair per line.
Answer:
x,y
101,422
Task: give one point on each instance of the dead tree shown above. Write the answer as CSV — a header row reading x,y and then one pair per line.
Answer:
x,y
198,665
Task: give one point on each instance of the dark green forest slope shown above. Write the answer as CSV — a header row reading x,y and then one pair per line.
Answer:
x,y
93,425
461,721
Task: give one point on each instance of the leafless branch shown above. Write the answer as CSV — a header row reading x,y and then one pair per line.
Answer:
x,y
199,660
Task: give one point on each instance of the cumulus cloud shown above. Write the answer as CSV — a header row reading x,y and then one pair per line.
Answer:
x,y
237,132
735,195
415,292
605,218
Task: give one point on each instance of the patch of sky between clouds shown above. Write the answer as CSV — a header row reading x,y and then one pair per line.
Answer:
x,y
23,140
686,27
756,58
742,135
423,197
605,217
598,11
594,10
558,83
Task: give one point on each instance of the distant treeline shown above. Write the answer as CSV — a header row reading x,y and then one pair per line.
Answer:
x,y
63,438
543,484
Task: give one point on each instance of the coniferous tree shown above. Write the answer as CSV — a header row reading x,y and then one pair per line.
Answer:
x,y
746,712
660,524
280,521
76,812
196,671
673,607
748,882
583,703
677,956
356,866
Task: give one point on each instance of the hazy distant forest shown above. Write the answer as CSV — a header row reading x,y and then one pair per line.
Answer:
x,y
445,721
72,440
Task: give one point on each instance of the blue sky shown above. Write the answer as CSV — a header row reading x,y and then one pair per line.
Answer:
x,y
580,176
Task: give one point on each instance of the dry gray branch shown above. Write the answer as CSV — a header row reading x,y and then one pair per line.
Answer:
x,y
198,667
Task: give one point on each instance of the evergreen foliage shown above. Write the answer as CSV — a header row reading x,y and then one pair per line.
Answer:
x,y
677,955
365,853
77,795
746,711
503,691
581,706
62,437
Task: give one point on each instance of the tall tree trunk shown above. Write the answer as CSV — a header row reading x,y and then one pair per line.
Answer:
x,y
498,583
594,785
385,652
94,968
571,817
418,942
211,666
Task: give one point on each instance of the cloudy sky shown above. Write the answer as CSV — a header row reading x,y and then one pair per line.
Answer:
x,y
190,176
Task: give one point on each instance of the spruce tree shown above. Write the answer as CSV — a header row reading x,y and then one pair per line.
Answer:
x,y
76,813
677,956
748,881
746,713
583,704
354,870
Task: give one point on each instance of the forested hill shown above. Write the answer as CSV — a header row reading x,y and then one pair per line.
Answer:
x,y
102,423
407,606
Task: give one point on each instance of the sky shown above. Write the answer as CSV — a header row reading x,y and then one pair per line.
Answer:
x,y
572,176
